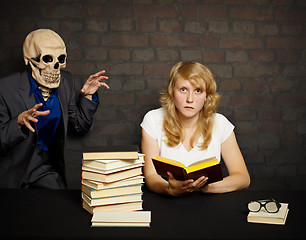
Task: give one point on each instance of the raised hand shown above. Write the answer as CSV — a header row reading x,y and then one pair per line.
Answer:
x,y
93,83
30,115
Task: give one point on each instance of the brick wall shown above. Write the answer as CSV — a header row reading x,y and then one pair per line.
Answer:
x,y
256,50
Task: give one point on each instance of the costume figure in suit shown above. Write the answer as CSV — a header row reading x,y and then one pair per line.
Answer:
x,y
37,107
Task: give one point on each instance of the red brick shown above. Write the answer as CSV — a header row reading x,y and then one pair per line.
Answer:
x,y
293,99
119,99
241,43
157,70
246,127
292,29
291,141
82,68
286,42
121,25
114,129
252,100
290,15
236,56
255,85
106,113
244,27
133,85
237,2
119,54
271,113
174,40
125,69
292,114
154,11
245,114
218,27
214,56
290,127
96,25
281,85
191,55
268,30
157,83
251,14
170,26
262,56
146,25
295,71
63,11
71,26
189,11
143,55
195,26
230,85
260,2
209,41
167,55
148,99
124,40
271,127
109,11
256,70
211,11
286,57
95,54
221,71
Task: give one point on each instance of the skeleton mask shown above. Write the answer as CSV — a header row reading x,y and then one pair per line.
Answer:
x,y
45,51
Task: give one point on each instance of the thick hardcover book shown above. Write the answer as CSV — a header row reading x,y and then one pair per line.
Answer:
x,y
210,168
126,219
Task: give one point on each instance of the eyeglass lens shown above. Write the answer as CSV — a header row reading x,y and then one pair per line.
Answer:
x,y
270,207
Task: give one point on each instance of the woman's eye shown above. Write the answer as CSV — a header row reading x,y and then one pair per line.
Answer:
x,y
183,89
198,90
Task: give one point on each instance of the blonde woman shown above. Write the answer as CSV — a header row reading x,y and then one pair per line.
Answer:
x,y
187,128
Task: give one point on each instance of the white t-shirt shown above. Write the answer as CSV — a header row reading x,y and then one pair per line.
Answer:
x,y
153,124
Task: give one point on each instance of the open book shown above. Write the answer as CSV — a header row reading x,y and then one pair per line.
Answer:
x,y
209,167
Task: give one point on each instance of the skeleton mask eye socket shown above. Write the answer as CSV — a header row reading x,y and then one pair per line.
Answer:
x,y
61,58
47,58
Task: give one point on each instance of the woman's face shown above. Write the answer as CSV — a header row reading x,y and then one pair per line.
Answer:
x,y
189,99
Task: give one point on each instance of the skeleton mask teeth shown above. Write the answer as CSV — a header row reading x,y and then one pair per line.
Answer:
x,y
50,78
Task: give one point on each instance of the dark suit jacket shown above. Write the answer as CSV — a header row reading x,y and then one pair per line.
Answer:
x,y
17,145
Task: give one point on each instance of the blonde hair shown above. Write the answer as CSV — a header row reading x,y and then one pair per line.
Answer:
x,y
200,75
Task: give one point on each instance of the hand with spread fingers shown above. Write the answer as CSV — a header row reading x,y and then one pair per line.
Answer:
x,y
26,117
93,83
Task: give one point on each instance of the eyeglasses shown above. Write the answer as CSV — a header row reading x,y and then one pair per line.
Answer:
x,y
270,205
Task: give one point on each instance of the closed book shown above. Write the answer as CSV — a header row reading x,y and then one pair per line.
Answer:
x,y
95,169
209,167
111,191
270,218
124,219
113,177
111,200
124,182
126,206
112,164
113,152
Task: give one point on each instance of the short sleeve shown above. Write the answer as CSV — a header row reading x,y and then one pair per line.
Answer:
x,y
224,127
152,123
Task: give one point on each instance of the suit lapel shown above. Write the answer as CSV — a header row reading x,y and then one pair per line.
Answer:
x,y
24,90
63,101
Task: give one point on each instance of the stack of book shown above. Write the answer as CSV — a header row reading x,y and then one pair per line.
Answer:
x,y
112,180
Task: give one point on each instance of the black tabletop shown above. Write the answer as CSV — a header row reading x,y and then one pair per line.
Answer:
x,y
58,214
